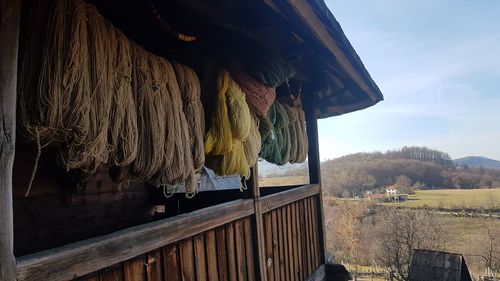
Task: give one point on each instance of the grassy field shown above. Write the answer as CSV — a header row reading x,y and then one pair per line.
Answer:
x,y
453,199
283,181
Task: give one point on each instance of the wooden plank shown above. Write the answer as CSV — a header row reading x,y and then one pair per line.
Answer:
x,y
269,246
90,277
258,227
315,177
231,252
291,249
249,249
200,259
317,275
187,260
317,258
220,237
274,242
171,267
113,273
154,266
279,199
296,262
72,260
134,269
10,14
307,239
241,263
281,250
211,248
284,229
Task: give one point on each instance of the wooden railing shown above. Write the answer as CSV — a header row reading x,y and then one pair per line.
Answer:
x,y
214,243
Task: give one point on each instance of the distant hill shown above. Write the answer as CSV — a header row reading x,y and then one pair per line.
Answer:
x,y
477,161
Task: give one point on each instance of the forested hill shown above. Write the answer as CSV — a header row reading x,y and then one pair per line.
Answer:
x,y
406,168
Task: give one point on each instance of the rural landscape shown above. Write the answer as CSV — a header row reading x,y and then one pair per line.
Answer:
x,y
439,204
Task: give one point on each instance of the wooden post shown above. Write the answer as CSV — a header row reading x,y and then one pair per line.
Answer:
x,y
258,226
10,14
315,172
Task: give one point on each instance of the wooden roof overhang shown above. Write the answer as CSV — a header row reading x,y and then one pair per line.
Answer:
x,y
305,34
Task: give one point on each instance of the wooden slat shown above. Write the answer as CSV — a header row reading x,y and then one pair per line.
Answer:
x,y
308,236
241,263
113,273
269,246
284,229
134,269
154,266
315,232
274,242
281,248
291,250
171,266
71,261
296,262
91,277
187,260
211,249
258,229
276,200
249,249
10,14
200,259
220,237
231,252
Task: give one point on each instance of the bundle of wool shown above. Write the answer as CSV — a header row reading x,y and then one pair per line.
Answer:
x,y
253,143
293,117
258,96
219,138
302,139
239,113
123,135
189,85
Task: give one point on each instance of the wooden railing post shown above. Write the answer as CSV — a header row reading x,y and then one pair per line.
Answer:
x,y
10,14
315,173
258,226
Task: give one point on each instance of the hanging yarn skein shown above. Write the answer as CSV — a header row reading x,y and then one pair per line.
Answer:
x,y
258,96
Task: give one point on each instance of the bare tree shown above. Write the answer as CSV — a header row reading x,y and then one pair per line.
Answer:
x,y
402,231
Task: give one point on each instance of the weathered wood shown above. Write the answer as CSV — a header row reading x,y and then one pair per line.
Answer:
x,y
231,252
211,249
274,243
281,248
200,259
134,269
154,266
220,237
187,260
300,222
317,254
269,247
113,273
171,266
296,254
308,237
249,249
10,14
241,264
315,176
258,227
274,201
71,261
93,277
291,249
318,274
284,229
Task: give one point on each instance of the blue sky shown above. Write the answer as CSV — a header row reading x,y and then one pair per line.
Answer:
x,y
437,64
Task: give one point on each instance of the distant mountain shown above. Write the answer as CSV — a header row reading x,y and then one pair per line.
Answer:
x,y
477,161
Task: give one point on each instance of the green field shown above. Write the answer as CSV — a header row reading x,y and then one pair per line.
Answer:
x,y
453,199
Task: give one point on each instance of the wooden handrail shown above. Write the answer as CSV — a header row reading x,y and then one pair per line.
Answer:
x,y
277,200
80,258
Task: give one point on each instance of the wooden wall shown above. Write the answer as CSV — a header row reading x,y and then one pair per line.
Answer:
x,y
223,253
292,240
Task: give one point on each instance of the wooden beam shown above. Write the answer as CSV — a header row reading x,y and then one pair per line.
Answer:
x,y
10,14
277,200
318,274
315,172
77,259
258,227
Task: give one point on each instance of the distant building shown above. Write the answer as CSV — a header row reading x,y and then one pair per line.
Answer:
x,y
391,191
438,266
